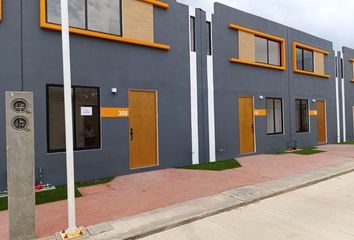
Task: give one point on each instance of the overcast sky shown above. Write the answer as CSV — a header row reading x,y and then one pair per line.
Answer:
x,y
329,19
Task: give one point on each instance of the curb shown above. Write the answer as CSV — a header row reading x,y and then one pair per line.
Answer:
x,y
159,220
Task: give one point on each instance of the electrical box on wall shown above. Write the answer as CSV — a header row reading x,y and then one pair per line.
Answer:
x,y
20,164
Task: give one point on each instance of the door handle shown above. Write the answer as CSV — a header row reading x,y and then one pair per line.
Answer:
x,y
252,127
131,134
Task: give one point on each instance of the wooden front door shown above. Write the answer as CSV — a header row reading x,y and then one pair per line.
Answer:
x,y
143,128
321,121
246,124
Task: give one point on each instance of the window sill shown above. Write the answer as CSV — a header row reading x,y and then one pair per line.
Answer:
x,y
274,134
236,60
156,3
53,152
106,36
312,73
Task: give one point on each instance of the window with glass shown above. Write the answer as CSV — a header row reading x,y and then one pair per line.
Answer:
x,y
192,33
86,118
304,60
274,116
99,16
302,115
268,51
209,51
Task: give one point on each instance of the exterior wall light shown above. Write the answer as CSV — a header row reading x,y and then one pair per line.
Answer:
x,y
314,100
114,90
261,97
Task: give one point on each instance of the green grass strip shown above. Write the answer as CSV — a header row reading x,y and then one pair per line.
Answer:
x,y
308,151
60,193
214,166
348,142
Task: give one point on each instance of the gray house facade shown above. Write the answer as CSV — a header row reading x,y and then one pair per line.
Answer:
x,y
158,84
287,91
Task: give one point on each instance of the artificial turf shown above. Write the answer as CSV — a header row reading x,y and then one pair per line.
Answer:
x,y
214,166
60,193
308,151
348,142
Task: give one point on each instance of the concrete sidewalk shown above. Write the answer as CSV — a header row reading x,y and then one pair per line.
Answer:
x,y
323,211
152,222
137,194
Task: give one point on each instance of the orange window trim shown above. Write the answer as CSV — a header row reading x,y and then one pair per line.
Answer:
x,y
157,3
0,10
264,35
295,70
237,60
44,24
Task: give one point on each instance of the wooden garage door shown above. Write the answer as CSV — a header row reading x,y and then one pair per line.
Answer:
x,y
246,124
321,121
143,128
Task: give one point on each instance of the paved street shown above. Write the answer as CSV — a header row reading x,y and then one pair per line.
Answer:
x,y
322,211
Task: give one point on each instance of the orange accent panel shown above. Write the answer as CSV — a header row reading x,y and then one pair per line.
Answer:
x,y
265,35
0,10
236,60
313,112
51,26
157,3
114,112
260,112
310,48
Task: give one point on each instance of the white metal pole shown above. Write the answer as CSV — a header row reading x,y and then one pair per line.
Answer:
x,y
337,98
68,117
343,99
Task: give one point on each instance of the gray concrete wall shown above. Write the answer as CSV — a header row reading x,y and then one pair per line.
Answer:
x,y
232,80
10,71
106,64
349,91
312,87
20,168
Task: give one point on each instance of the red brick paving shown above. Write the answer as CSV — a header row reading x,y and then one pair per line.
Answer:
x,y
137,193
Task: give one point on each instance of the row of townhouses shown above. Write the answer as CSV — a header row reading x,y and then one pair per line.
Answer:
x,y
159,84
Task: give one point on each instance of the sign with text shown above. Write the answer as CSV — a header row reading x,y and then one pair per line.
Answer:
x,y
260,112
86,111
115,112
313,112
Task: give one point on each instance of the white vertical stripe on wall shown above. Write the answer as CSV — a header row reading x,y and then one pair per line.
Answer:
x,y
211,112
194,97
337,98
343,101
